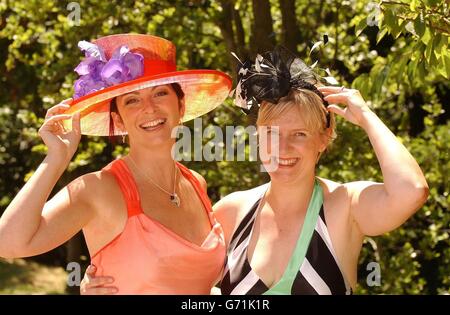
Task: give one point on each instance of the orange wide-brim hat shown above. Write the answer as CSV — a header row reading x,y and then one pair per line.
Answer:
x,y
204,90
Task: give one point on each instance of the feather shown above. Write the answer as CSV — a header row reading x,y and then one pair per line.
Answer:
x,y
235,56
92,50
331,80
257,65
270,77
315,46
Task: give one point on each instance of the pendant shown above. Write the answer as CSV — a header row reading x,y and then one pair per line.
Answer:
x,y
175,199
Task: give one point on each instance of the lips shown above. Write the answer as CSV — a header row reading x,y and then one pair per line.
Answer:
x,y
287,162
153,124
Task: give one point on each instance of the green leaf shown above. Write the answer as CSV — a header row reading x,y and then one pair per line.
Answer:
x,y
432,2
379,80
401,68
398,30
429,52
360,27
421,72
381,34
390,20
437,44
412,69
446,60
426,36
441,68
419,26
444,45
362,84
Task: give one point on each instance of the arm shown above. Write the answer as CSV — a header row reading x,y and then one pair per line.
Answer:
x,y
29,226
380,207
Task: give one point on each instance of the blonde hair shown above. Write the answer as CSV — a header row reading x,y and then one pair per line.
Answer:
x,y
309,105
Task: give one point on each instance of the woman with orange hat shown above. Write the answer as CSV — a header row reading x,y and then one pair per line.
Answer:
x,y
146,219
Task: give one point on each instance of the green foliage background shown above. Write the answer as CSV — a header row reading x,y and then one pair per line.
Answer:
x,y
395,52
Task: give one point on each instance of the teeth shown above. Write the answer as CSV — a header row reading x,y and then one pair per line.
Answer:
x,y
287,161
153,123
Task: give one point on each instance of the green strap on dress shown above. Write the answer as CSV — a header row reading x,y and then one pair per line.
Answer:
x,y
284,286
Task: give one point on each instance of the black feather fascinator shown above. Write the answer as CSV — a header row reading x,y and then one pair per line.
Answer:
x,y
271,77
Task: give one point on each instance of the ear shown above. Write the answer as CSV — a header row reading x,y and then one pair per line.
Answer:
x,y
182,107
325,139
118,122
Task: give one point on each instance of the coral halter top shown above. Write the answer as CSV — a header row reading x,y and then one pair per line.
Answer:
x,y
149,258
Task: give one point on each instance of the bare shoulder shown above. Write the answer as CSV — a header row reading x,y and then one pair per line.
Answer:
x,y
240,200
332,190
230,210
93,188
356,187
200,179
337,199
348,190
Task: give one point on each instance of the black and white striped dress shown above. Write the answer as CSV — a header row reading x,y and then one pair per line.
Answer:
x,y
319,272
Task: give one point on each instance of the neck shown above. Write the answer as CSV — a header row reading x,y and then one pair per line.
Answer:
x,y
156,164
290,197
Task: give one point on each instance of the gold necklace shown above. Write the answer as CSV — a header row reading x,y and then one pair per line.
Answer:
x,y
173,196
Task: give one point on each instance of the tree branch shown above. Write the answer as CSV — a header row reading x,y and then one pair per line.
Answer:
x,y
240,35
336,27
290,32
224,22
262,39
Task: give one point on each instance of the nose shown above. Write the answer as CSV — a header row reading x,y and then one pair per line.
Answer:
x,y
149,105
284,146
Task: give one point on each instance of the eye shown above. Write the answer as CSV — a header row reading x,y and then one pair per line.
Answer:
x,y
130,101
161,93
300,134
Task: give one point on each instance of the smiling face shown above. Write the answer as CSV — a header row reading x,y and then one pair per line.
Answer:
x,y
149,115
298,123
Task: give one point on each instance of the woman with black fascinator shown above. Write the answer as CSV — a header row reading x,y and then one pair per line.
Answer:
x,y
301,234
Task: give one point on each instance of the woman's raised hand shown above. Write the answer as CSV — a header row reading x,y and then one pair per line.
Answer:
x,y
61,144
355,106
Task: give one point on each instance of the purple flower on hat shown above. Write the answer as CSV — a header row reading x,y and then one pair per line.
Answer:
x,y
91,66
123,66
97,73
87,84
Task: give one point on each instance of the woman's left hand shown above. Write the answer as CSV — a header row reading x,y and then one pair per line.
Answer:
x,y
355,106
